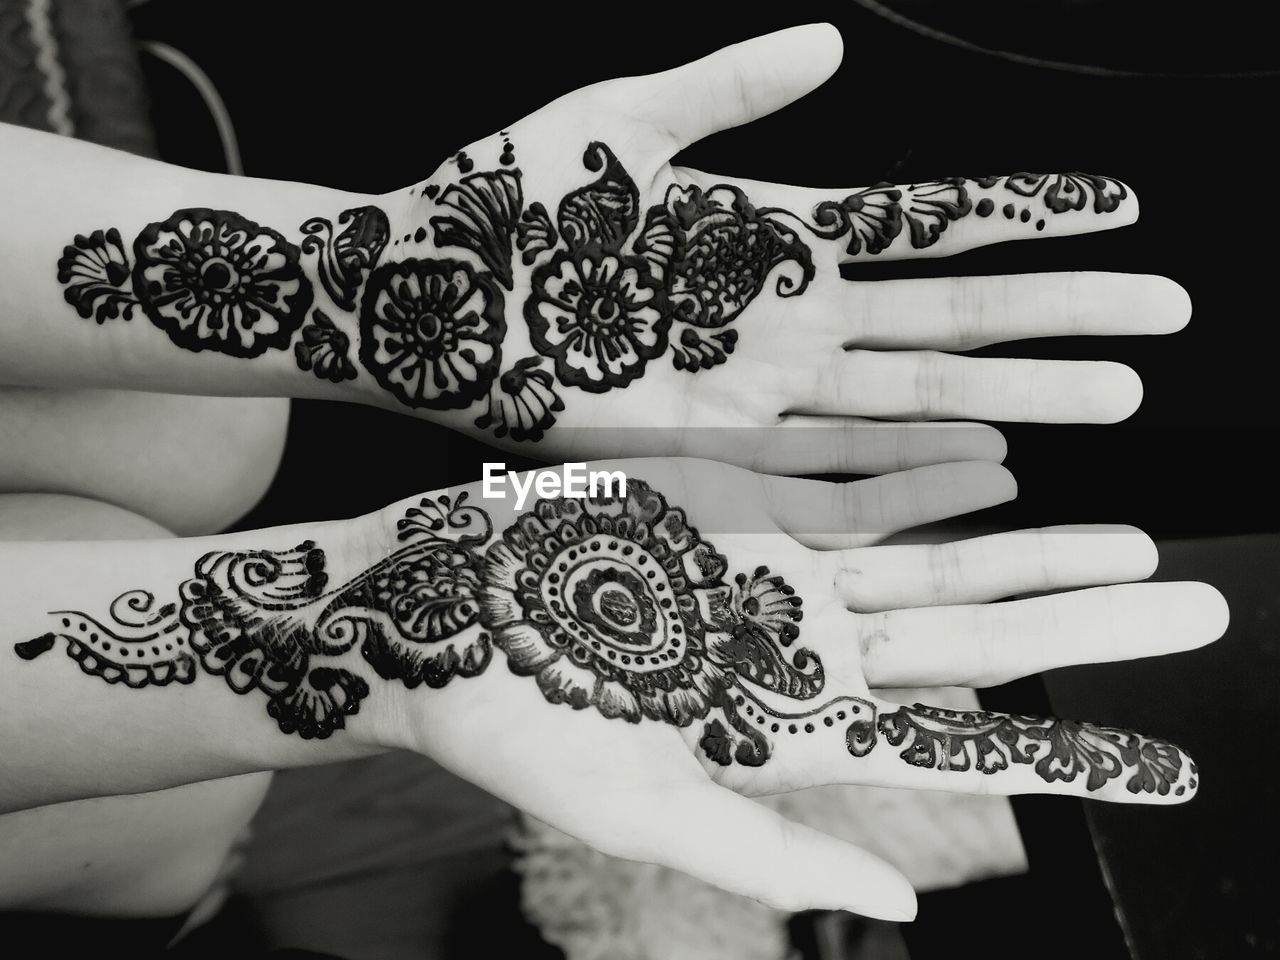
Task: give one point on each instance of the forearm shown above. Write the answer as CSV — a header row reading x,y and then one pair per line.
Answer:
x,y
121,271
135,665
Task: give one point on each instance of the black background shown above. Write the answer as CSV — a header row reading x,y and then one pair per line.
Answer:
x,y
372,96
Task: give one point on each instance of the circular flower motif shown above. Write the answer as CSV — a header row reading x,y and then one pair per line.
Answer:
x,y
213,280
601,316
431,331
610,602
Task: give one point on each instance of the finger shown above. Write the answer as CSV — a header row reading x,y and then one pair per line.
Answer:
x,y
815,445
864,740
941,217
995,753
963,313
742,846
809,445
854,445
825,515
986,644
738,83
989,568
926,385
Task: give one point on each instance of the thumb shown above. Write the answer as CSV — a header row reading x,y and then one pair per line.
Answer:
x,y
739,845
741,82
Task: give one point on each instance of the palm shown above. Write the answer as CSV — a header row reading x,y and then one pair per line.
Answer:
x,y
703,644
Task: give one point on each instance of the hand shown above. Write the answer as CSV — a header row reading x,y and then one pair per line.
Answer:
x,y
661,652
561,283
669,652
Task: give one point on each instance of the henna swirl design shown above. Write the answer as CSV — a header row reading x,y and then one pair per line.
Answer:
x,y
344,261
141,645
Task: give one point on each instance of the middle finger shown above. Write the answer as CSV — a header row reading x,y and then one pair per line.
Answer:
x,y
915,385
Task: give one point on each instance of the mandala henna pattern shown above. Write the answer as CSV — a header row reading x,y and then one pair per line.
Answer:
x,y
213,280
609,286
609,603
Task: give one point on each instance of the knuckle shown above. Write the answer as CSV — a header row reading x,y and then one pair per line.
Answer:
x,y
931,381
968,305
944,572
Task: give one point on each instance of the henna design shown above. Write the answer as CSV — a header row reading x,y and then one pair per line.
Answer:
x,y
431,331
613,284
211,279
96,272
522,402
599,313
715,252
486,209
343,262
1059,749
620,605
324,349
1063,192
873,218
141,647
612,603
535,233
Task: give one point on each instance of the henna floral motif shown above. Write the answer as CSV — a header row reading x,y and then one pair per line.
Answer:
x,y
618,604
599,315
324,349
715,251
411,615
597,312
605,603
486,207
873,218
535,233
522,402
431,331
265,621
213,280
1064,192
95,271
613,283
1059,749
719,250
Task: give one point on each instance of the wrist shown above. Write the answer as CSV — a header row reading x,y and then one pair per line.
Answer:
x,y
421,640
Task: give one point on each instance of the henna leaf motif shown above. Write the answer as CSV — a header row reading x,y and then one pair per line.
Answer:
x,y
344,261
605,211
486,210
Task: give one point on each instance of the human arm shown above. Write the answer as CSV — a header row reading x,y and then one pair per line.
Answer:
x,y
625,668
560,287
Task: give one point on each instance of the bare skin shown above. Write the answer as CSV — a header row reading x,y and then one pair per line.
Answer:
x,y
159,853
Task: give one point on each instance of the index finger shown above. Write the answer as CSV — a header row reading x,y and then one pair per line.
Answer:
x,y
938,218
